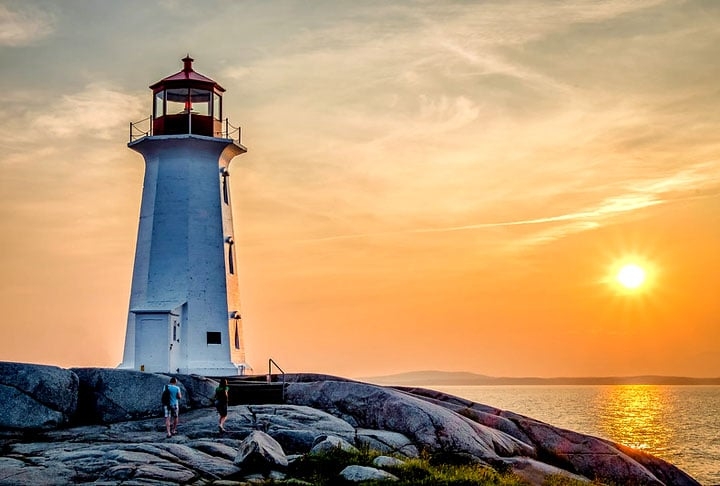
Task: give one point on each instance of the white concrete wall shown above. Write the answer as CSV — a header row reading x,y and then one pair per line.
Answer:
x,y
237,354
181,254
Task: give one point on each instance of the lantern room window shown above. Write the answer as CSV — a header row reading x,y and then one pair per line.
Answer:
x,y
217,106
186,100
177,101
200,101
159,104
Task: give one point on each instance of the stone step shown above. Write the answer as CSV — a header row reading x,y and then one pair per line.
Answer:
x,y
256,393
251,390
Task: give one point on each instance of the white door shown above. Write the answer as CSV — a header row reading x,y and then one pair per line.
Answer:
x,y
152,343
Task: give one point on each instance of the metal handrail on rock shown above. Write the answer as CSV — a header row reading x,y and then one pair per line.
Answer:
x,y
272,363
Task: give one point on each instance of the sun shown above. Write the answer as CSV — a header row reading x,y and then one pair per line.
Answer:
x,y
632,271
631,276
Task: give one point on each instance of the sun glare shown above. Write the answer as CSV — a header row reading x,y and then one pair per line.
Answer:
x,y
631,276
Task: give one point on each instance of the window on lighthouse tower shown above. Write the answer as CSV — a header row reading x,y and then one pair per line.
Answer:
x,y
214,337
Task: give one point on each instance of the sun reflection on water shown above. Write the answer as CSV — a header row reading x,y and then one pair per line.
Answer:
x,y
677,423
637,416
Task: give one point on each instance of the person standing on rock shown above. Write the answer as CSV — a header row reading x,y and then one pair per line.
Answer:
x,y
172,409
221,403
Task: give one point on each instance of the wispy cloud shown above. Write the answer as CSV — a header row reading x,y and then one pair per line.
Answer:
x,y
24,26
680,186
582,220
97,112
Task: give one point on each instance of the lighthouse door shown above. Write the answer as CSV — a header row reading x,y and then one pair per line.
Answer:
x,y
152,343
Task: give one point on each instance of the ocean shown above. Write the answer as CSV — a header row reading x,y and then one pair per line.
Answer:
x,y
678,423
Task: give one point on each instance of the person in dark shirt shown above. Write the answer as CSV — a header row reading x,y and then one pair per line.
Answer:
x,y
221,403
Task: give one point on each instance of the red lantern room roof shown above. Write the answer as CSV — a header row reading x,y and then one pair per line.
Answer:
x,y
187,78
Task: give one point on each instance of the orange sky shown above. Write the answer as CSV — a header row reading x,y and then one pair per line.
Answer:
x,y
429,185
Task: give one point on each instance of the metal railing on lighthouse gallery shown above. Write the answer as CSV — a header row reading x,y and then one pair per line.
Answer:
x,y
144,128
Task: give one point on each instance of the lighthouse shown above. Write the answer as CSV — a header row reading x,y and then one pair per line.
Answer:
x,y
184,314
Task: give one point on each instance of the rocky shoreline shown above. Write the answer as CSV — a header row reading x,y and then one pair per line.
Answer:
x,y
104,426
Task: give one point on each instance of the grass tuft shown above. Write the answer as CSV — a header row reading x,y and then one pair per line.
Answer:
x,y
324,469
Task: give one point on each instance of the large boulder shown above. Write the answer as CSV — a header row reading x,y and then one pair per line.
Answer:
x,y
15,472
386,442
361,474
432,427
296,428
324,444
120,461
199,391
259,452
275,418
664,471
570,451
110,395
593,457
457,429
36,397
536,472
483,414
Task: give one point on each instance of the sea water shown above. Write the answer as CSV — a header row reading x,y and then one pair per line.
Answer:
x,y
678,423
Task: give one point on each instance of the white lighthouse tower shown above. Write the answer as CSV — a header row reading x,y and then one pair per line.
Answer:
x,y
184,314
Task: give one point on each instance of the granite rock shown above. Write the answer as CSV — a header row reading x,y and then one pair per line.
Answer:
x,y
111,395
259,452
359,474
36,396
100,426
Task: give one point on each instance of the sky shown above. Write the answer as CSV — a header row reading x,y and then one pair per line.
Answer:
x,y
429,185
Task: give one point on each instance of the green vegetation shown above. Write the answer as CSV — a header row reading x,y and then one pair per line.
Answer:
x,y
324,469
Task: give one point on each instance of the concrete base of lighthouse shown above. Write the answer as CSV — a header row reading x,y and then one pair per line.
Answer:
x,y
156,342
207,369
211,369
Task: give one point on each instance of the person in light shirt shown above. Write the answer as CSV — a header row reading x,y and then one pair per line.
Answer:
x,y
172,410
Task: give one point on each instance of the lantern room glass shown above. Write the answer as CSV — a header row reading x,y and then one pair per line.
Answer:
x,y
200,100
158,104
217,106
186,100
176,101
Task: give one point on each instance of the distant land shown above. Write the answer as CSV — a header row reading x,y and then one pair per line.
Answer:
x,y
452,378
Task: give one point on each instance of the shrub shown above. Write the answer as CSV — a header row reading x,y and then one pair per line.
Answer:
x,y
323,470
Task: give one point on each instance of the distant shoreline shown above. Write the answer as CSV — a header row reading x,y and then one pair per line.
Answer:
x,y
451,378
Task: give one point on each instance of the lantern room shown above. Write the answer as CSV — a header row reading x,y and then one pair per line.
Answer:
x,y
187,103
